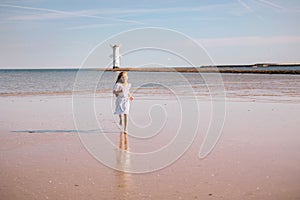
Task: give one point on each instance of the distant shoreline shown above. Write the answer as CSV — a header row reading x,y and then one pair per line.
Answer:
x,y
255,69
258,68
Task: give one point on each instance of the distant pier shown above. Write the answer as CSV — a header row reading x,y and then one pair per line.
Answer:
x,y
259,68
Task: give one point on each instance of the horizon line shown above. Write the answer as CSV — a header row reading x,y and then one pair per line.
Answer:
x,y
263,64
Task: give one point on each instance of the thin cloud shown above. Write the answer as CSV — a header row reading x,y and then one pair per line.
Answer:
x,y
164,10
245,5
44,16
250,9
90,26
276,6
273,5
58,14
249,41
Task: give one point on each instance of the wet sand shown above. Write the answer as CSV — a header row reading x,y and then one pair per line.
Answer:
x,y
42,157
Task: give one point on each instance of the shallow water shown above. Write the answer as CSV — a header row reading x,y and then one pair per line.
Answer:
x,y
249,87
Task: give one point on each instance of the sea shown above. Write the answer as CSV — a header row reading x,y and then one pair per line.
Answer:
x,y
239,87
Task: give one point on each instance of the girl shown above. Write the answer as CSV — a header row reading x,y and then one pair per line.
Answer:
x,y
121,90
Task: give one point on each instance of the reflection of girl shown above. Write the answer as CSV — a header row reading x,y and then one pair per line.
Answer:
x,y
121,90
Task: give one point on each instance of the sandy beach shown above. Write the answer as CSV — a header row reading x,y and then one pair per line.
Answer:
x,y
42,156
210,91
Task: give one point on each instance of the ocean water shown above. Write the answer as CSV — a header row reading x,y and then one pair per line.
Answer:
x,y
249,87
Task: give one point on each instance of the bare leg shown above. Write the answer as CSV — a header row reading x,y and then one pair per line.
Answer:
x,y
125,123
120,116
126,145
121,141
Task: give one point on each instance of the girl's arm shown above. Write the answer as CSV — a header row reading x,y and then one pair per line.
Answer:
x,y
117,92
130,96
117,89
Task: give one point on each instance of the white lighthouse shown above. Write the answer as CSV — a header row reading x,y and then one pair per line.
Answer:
x,y
116,56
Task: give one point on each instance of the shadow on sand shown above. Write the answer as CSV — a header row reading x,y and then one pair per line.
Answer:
x,y
57,131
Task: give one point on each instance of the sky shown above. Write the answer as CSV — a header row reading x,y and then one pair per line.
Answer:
x,y
61,34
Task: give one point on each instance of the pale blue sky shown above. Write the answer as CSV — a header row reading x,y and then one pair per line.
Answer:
x,y
59,33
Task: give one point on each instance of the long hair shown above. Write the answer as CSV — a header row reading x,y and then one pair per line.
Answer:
x,y
119,76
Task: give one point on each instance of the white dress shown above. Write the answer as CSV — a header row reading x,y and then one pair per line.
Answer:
x,y
122,100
